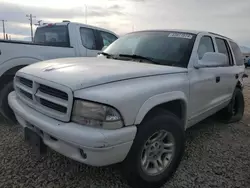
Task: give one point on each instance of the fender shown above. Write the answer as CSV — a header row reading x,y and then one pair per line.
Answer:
x,y
157,100
14,62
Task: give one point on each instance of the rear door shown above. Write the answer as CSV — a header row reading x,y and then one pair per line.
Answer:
x,y
229,74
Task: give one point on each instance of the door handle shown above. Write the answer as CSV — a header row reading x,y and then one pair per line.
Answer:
x,y
236,76
217,79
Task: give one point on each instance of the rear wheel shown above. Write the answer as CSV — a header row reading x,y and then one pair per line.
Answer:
x,y
235,110
5,109
156,151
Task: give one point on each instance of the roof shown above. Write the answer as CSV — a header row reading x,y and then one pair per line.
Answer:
x,y
174,30
195,32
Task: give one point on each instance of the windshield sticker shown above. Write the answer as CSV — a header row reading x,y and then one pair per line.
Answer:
x,y
180,35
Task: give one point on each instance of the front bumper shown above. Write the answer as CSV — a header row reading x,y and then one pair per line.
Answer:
x,y
101,147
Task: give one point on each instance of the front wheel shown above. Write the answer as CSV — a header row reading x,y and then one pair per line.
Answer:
x,y
156,152
5,109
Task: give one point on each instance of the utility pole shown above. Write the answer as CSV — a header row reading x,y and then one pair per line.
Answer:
x,y
31,25
3,21
85,14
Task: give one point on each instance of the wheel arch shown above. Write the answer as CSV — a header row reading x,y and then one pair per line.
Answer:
x,y
10,67
174,102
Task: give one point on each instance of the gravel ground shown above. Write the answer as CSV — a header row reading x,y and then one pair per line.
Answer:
x,y
217,155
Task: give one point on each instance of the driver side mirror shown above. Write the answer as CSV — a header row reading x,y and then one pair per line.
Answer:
x,y
212,59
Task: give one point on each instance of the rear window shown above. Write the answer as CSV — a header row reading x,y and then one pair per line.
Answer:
x,y
55,35
237,53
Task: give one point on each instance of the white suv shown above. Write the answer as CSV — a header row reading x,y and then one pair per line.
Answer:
x,y
133,103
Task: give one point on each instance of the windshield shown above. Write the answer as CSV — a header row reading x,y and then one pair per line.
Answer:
x,y
53,35
165,47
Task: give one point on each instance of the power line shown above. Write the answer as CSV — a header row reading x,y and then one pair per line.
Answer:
x,y
31,25
3,21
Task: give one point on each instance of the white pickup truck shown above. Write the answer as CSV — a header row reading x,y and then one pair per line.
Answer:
x,y
133,103
65,39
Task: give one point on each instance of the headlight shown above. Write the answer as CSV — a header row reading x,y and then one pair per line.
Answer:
x,y
94,114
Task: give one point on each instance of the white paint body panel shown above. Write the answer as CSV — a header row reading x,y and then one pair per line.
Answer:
x,y
109,146
133,89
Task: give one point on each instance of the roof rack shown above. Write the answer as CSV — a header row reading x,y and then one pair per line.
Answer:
x,y
218,35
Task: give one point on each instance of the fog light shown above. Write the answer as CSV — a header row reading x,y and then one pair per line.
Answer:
x,y
83,154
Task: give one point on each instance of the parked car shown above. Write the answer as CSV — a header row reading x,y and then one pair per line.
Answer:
x,y
133,103
66,39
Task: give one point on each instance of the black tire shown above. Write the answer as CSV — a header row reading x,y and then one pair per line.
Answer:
x,y
5,109
235,110
132,169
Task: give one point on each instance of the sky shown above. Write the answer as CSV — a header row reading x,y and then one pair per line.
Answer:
x,y
226,17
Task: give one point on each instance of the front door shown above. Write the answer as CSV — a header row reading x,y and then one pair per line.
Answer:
x,y
205,85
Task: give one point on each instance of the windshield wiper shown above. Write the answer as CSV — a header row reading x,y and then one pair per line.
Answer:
x,y
134,56
105,54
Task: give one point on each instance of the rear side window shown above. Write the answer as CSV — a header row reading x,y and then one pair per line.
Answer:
x,y
223,48
206,45
107,38
237,53
88,38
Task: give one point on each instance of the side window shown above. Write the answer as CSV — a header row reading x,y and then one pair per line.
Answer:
x,y
206,45
107,38
237,53
88,38
222,48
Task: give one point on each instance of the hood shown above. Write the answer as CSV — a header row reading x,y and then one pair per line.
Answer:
x,y
79,73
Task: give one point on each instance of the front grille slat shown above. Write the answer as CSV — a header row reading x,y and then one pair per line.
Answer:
x,y
26,82
26,94
54,92
53,106
50,98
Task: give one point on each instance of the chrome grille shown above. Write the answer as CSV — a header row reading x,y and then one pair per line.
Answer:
x,y
49,98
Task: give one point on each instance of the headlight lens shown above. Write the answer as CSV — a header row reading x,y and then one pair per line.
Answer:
x,y
94,114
